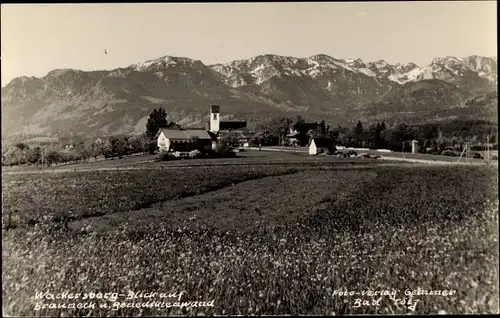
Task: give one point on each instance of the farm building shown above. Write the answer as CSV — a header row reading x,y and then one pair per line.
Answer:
x,y
320,145
178,139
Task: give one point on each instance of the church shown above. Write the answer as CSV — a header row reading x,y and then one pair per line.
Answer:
x,y
202,139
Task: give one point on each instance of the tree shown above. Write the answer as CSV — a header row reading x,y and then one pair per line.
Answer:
x,y
322,127
359,129
15,155
301,128
21,146
115,147
136,144
97,148
83,150
299,124
334,134
52,156
346,138
157,119
34,155
427,143
441,144
149,145
225,147
275,129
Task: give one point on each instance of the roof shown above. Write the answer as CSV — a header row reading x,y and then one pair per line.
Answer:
x,y
323,142
232,124
294,135
184,134
310,126
199,133
235,133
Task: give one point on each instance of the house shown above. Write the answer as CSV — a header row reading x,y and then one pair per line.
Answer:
x,y
320,145
179,139
294,135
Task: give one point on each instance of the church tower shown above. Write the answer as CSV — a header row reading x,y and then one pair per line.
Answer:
x,y
214,118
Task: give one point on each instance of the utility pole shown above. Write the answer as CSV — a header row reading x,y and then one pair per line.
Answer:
x,y
467,152
488,152
465,148
43,157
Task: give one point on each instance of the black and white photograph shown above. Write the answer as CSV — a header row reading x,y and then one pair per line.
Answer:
x,y
249,159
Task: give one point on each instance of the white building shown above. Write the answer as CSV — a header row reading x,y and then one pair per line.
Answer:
x,y
320,145
184,139
414,146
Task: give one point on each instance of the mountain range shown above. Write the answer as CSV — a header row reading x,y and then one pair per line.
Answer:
x,y
341,91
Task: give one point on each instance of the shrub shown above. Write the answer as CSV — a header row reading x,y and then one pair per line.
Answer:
x,y
224,149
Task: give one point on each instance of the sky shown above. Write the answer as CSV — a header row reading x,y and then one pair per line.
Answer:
x,y
36,39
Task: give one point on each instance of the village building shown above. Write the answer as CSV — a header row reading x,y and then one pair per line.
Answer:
x,y
228,128
293,136
320,145
179,139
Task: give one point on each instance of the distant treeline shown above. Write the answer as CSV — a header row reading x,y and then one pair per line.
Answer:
x,y
437,136
83,148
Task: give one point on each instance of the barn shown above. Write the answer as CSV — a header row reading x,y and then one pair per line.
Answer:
x,y
178,139
320,145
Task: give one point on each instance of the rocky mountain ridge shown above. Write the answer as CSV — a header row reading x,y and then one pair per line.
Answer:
x,y
339,90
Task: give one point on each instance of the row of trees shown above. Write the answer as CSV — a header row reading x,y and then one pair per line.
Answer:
x,y
49,154
83,150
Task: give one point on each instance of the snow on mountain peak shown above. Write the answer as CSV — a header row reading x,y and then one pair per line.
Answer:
x,y
381,63
260,68
165,62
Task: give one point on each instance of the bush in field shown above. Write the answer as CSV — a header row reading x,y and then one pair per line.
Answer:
x,y
15,155
69,156
165,156
52,156
34,155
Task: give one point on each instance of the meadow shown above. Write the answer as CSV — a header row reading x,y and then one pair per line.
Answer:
x,y
256,239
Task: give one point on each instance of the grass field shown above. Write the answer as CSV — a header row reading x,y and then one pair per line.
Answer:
x,y
255,239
